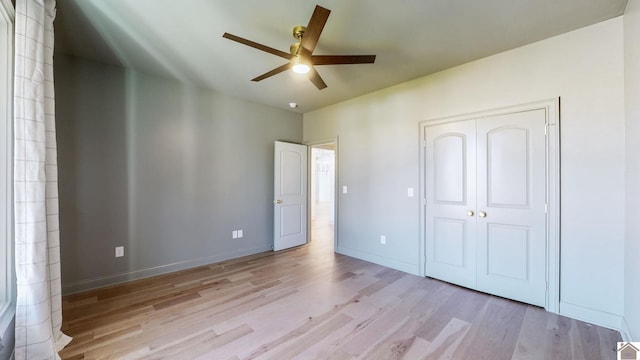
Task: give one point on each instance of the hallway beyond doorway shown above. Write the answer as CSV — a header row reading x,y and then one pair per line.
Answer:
x,y
323,193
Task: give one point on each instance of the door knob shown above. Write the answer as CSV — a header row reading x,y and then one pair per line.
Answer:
x,y
469,213
482,214
277,201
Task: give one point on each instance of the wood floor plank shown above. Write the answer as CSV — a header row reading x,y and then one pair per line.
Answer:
x,y
293,348
434,305
440,318
608,342
558,339
448,340
380,326
397,344
176,300
530,345
494,336
305,327
418,349
197,345
198,322
309,303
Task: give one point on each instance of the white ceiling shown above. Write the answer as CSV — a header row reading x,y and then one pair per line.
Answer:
x,y
411,38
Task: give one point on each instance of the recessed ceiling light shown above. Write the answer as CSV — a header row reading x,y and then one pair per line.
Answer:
x,y
293,105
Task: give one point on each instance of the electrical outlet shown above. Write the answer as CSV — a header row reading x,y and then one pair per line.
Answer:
x,y
239,233
119,251
383,239
234,234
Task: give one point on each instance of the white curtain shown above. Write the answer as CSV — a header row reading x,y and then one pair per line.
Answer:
x,y
39,302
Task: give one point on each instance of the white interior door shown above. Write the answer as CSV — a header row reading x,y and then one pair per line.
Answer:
x,y
451,202
511,226
290,195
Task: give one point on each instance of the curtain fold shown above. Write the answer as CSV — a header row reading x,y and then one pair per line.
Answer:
x,y
37,248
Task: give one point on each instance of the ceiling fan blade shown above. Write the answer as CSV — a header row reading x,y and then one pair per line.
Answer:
x,y
314,29
255,45
316,79
275,71
342,59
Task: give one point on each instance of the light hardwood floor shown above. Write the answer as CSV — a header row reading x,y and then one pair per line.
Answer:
x,y
310,303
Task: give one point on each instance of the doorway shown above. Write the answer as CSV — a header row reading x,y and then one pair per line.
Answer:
x,y
322,195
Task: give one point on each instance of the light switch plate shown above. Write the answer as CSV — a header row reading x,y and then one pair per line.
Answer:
x,y
119,251
234,234
410,192
383,239
344,189
239,233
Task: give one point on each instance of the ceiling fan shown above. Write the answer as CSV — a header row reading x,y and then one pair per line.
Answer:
x,y
301,58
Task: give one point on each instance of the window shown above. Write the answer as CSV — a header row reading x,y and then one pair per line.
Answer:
x,y
7,272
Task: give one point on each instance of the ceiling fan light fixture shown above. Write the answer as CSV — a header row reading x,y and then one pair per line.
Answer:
x,y
299,67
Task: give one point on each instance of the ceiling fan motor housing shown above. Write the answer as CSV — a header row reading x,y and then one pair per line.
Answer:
x,y
298,31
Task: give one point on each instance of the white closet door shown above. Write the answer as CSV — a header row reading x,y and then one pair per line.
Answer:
x,y
511,222
451,202
485,187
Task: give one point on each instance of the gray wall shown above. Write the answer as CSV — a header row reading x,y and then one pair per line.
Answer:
x,y
162,168
632,94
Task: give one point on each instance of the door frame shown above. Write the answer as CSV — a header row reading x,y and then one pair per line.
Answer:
x,y
317,143
552,182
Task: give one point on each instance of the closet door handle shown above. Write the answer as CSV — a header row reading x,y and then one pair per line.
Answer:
x,y
277,201
470,213
482,214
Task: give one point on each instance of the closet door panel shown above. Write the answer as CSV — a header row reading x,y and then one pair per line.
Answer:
x,y
450,202
511,223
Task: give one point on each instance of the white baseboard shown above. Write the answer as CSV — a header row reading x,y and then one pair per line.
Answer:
x,y
95,283
596,317
410,268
